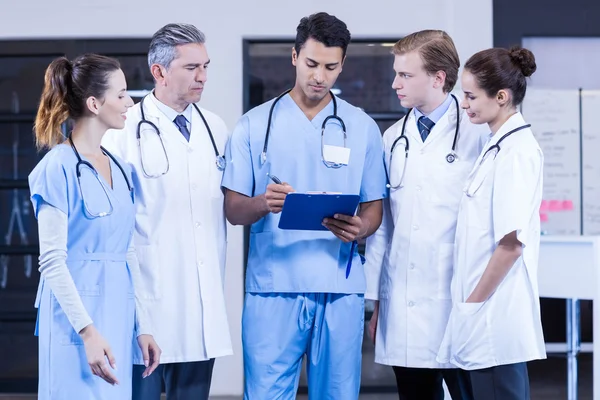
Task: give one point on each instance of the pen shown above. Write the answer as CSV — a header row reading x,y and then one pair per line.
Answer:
x,y
349,265
274,179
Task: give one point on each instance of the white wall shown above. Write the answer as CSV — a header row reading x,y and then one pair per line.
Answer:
x,y
226,23
565,62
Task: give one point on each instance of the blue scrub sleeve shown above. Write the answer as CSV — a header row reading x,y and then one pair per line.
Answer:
x,y
374,178
48,183
239,174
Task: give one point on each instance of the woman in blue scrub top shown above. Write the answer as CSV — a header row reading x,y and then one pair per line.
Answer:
x,y
82,198
305,289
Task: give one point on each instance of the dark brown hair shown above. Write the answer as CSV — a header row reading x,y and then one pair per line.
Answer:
x,y
323,28
67,85
437,51
496,69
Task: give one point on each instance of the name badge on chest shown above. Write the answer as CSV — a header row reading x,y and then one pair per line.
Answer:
x,y
336,154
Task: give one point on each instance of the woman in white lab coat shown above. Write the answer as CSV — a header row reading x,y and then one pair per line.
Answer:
x,y
409,259
495,325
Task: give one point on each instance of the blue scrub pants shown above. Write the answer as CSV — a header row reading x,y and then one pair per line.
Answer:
x,y
279,329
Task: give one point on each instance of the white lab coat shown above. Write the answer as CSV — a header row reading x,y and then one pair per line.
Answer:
x,y
505,329
180,234
409,259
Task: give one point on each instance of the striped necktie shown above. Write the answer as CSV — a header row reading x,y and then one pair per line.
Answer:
x,y
425,127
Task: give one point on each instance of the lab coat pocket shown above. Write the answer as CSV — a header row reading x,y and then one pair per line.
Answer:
x,y
479,215
149,272
471,336
444,271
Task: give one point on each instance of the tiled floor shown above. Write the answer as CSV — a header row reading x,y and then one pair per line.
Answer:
x,y
548,381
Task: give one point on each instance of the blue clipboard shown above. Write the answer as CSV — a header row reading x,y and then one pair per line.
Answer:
x,y
306,211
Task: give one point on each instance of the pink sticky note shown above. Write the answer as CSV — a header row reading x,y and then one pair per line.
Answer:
x,y
567,205
555,205
544,206
543,217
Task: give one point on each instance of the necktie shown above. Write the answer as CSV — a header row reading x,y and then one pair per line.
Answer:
x,y
181,123
425,127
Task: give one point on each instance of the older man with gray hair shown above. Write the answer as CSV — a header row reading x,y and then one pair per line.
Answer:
x,y
175,149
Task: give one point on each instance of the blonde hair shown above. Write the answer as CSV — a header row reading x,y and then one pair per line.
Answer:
x,y
53,109
437,51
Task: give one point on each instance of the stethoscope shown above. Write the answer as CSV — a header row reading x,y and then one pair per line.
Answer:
x,y
494,148
81,162
219,159
330,164
450,157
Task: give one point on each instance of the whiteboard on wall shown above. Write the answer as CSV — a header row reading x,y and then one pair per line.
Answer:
x,y
578,55
590,128
554,116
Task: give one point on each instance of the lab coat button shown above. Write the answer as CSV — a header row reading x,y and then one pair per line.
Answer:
x,y
418,188
416,227
410,304
412,266
190,150
198,224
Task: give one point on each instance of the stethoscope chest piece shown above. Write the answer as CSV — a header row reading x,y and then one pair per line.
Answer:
x,y
221,163
450,158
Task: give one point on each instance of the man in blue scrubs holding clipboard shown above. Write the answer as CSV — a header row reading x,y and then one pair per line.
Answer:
x,y
299,300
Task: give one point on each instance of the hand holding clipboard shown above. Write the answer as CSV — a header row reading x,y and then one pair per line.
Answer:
x,y
316,210
335,212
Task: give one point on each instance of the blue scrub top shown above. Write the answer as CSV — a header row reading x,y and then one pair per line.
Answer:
x,y
96,260
303,261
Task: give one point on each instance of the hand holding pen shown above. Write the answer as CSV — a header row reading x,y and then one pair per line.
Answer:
x,y
275,194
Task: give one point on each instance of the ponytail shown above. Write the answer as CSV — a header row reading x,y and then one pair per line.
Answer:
x,y
54,104
67,85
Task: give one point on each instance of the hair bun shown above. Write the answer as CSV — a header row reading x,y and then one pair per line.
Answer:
x,y
524,59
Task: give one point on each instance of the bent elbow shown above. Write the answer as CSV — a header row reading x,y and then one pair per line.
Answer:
x,y
232,214
233,220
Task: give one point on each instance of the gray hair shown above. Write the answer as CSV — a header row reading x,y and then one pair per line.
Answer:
x,y
163,46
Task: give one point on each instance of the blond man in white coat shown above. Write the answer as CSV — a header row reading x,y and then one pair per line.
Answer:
x,y
180,235
428,155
